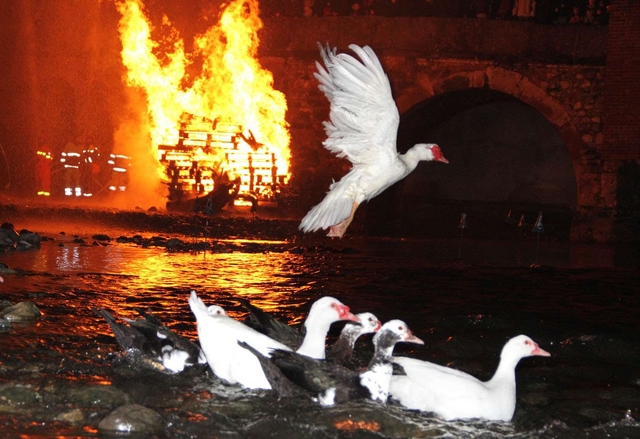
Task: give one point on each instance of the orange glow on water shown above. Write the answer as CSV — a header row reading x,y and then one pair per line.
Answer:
x,y
350,425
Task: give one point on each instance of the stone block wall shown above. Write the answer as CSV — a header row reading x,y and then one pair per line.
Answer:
x,y
622,95
621,123
559,70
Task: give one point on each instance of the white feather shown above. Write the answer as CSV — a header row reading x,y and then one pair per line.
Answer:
x,y
362,126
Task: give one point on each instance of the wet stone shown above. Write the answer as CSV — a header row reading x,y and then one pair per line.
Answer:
x,y
154,388
5,324
31,238
4,269
21,311
15,395
132,418
7,236
23,246
32,368
173,243
73,417
283,429
98,396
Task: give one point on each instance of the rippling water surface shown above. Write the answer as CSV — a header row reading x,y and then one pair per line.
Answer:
x,y
581,306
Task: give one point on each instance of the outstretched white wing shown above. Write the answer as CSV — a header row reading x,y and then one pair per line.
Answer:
x,y
364,118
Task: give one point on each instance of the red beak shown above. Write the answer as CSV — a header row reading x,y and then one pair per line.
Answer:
x,y
540,351
410,338
345,314
437,155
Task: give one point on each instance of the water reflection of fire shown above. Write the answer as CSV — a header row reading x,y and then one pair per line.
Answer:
x,y
226,124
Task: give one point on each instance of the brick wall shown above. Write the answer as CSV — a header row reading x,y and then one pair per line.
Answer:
x,y
621,118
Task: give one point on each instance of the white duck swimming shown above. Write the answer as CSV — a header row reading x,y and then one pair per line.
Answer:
x,y
219,336
452,394
312,339
363,127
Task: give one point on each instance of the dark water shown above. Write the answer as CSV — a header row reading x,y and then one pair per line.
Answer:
x,y
581,306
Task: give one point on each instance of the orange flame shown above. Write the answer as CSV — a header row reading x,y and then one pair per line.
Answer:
x,y
232,88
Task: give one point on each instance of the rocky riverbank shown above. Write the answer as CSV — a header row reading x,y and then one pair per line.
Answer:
x,y
234,223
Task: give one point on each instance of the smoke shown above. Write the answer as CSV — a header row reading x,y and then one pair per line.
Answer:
x,y
132,138
61,80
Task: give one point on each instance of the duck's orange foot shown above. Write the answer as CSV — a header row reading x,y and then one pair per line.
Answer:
x,y
337,231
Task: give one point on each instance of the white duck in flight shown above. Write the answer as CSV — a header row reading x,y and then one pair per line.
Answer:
x,y
363,127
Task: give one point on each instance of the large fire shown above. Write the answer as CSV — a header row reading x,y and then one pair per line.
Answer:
x,y
228,119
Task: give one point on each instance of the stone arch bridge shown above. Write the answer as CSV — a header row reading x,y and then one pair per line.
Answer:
x,y
558,71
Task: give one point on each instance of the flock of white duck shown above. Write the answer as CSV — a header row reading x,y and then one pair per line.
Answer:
x,y
264,353
295,366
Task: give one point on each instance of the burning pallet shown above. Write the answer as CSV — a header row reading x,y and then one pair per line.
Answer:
x,y
209,154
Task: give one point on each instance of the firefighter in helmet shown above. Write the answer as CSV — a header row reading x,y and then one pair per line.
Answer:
x,y
70,159
120,164
43,168
90,168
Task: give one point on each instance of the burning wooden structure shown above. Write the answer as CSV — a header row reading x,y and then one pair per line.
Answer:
x,y
193,117
210,155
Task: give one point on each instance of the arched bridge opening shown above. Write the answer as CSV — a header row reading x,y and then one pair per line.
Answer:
x,y
504,157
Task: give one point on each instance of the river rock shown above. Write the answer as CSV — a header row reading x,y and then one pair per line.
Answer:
x,y
7,232
174,244
21,311
73,417
132,418
25,240
4,269
5,324
23,245
30,237
8,238
14,394
106,397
